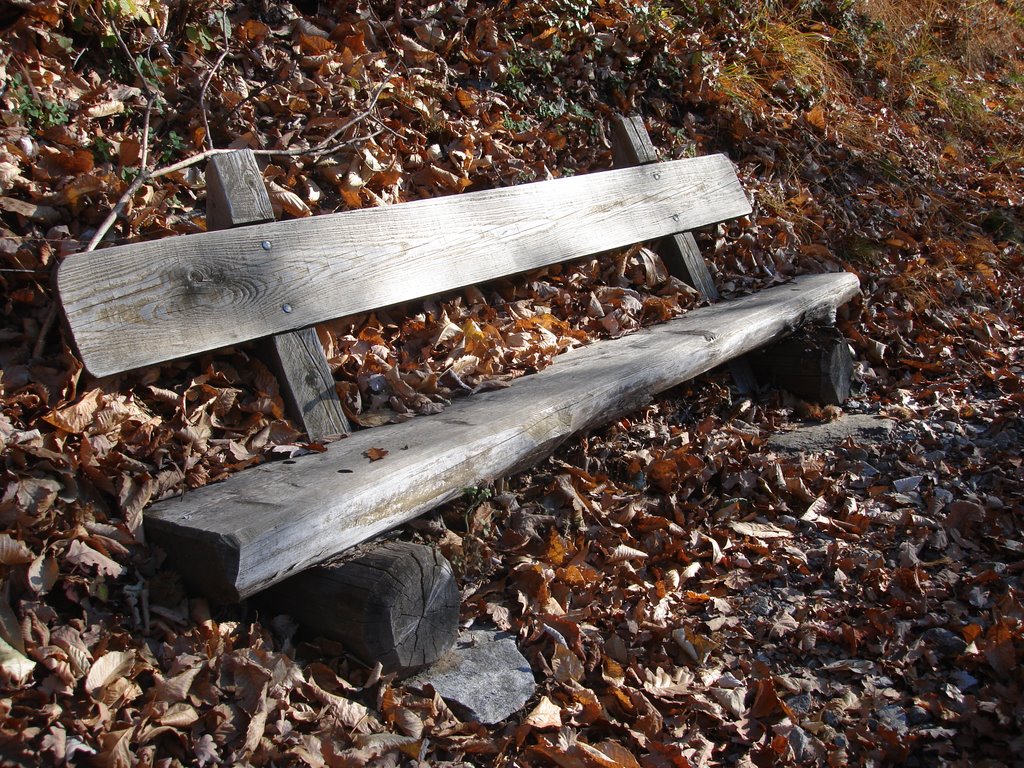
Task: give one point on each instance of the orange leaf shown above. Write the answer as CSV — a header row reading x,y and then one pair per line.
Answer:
x,y
375,454
314,44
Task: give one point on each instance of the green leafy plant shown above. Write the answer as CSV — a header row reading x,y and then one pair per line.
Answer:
x,y
205,35
171,146
36,110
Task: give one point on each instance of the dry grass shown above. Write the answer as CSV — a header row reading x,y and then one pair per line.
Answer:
x,y
979,35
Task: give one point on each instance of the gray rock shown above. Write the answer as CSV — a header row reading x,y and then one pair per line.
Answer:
x,y
806,748
944,641
918,715
801,703
893,717
484,678
865,429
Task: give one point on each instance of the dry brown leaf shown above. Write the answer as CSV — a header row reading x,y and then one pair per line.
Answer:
x,y
623,553
108,668
42,574
546,715
174,689
81,554
180,715
286,201
76,418
15,669
375,454
14,551
760,530
350,713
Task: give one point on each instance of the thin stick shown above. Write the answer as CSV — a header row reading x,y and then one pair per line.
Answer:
x,y
324,147
205,86
134,187
128,53
321,148
51,316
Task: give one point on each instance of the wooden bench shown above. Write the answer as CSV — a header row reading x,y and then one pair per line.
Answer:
x,y
140,304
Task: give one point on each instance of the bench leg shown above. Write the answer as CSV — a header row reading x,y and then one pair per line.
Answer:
x,y
631,145
396,603
815,364
237,196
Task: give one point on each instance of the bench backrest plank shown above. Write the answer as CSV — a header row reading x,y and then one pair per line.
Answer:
x,y
144,303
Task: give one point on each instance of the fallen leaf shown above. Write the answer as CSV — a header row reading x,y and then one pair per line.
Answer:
x,y
546,715
108,668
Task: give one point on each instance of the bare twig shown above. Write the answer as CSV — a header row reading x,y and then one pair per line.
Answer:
x,y
205,86
134,187
128,53
326,146
48,321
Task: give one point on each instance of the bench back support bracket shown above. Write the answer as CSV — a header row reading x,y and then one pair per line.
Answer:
x,y
237,196
632,145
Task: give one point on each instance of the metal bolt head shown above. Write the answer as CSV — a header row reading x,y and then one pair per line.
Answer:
x,y
265,245
286,308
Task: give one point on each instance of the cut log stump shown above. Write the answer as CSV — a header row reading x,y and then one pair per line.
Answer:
x,y
394,602
815,364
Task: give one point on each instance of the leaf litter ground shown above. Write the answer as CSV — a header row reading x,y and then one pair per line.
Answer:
x,y
686,595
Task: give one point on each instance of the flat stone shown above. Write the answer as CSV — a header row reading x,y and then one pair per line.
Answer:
x,y
484,678
864,429
945,642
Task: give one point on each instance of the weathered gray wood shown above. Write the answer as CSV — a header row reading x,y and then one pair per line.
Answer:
x,y
236,196
815,364
254,529
235,193
138,304
632,145
310,396
396,603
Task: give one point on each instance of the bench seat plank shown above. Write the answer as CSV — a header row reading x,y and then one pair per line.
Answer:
x,y
144,303
234,538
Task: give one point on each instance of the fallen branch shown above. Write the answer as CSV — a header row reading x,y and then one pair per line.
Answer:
x,y
205,86
325,147
134,187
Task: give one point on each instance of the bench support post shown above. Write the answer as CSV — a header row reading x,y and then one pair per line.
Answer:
x,y
237,196
815,364
631,145
394,602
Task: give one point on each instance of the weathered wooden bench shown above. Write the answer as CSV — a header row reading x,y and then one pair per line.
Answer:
x,y
135,305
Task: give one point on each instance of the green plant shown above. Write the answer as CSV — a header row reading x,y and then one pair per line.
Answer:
x,y
171,146
130,10
36,110
103,150
215,27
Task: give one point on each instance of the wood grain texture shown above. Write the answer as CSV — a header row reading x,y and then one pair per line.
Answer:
x,y
815,364
138,304
235,193
396,603
307,383
234,538
236,196
633,146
